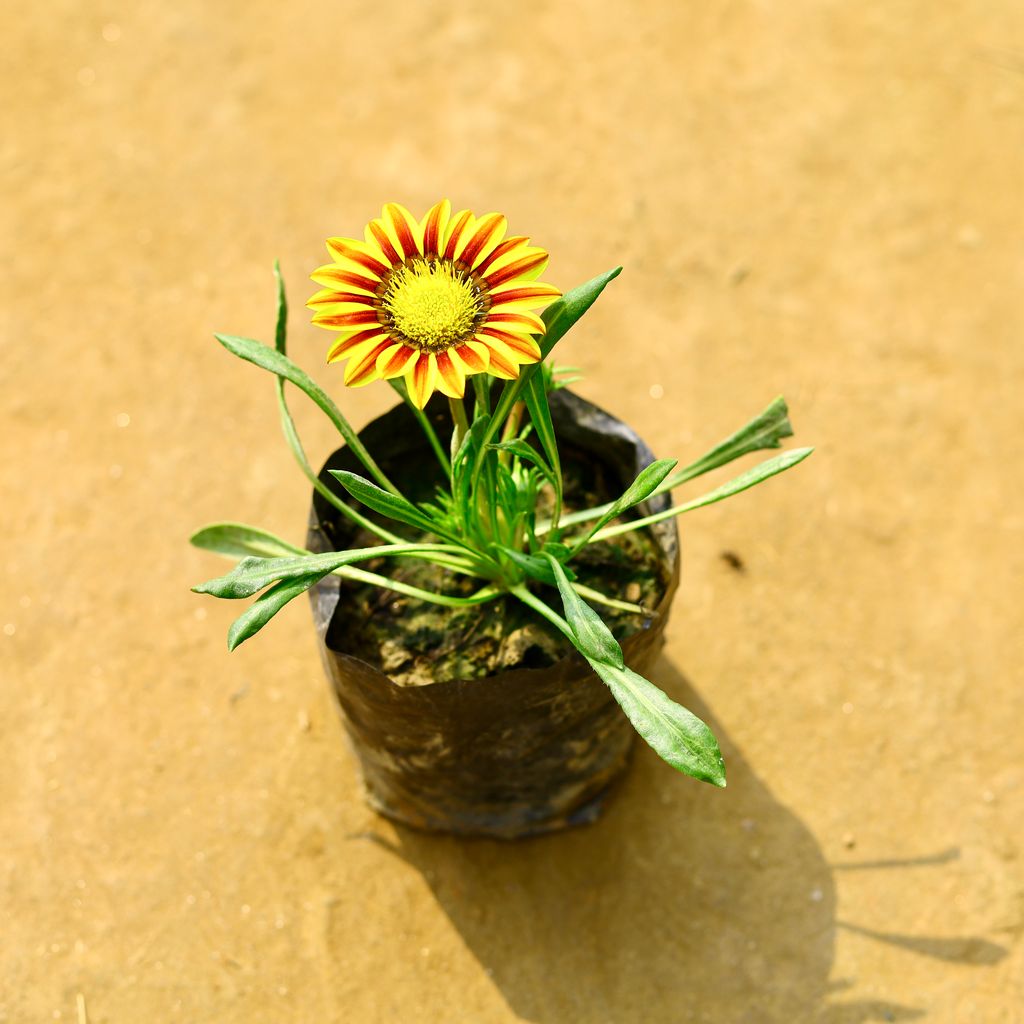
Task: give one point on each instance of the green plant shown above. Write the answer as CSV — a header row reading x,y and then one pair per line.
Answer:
x,y
500,461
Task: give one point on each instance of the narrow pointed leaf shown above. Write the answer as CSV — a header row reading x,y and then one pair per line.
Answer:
x,y
525,451
276,362
266,606
252,574
645,484
391,505
237,540
766,430
536,567
676,735
558,318
563,313
594,638
759,473
540,414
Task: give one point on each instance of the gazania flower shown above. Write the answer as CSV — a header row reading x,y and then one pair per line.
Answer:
x,y
432,300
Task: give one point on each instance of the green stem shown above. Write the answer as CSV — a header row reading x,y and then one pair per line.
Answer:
x,y
485,594
461,424
531,601
611,602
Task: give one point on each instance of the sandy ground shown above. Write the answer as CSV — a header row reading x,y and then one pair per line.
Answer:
x,y
820,199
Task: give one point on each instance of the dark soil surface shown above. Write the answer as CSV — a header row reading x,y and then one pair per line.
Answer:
x,y
416,642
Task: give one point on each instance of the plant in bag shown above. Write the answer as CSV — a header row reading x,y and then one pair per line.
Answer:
x,y
447,304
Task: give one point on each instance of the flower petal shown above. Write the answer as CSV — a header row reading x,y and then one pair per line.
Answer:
x,y
500,360
523,347
528,267
421,378
451,376
329,300
377,235
457,228
487,233
500,250
361,367
527,296
343,321
365,257
404,226
434,225
334,276
394,362
474,355
520,320
343,347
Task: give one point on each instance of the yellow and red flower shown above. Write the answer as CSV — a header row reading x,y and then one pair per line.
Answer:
x,y
433,300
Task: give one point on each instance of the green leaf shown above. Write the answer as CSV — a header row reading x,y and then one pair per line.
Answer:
x,y
394,506
281,324
536,399
594,639
558,318
276,362
536,566
524,450
291,435
764,431
252,574
759,473
266,606
236,540
676,735
645,484
563,313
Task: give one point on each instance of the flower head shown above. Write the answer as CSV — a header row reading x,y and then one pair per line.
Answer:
x,y
433,300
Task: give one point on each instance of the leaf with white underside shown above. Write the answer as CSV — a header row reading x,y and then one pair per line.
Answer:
x,y
251,575
645,484
759,473
237,540
677,735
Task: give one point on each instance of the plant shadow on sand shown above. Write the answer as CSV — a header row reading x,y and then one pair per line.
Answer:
x,y
682,903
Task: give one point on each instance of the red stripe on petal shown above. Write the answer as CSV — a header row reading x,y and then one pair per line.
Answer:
x,y
403,229
449,373
419,380
522,346
345,345
500,366
328,298
363,368
540,292
336,320
333,276
381,237
515,268
432,227
352,250
457,227
397,362
500,250
475,362
493,224
526,321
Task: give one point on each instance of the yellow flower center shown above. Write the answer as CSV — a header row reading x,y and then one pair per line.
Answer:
x,y
432,304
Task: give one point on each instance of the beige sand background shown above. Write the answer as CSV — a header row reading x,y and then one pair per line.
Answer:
x,y
815,198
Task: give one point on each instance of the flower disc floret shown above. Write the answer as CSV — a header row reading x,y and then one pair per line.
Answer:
x,y
432,305
433,300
